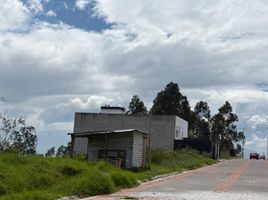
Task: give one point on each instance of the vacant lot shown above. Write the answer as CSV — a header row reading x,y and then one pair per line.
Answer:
x,y
35,177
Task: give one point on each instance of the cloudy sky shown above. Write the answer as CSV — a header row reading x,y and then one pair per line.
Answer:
x,y
58,57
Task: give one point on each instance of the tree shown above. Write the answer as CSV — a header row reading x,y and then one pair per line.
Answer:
x,y
201,120
50,152
202,110
136,106
224,129
16,136
170,101
216,127
238,149
25,140
64,150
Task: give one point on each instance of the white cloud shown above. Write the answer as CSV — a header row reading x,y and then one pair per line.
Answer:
x,y
64,112
258,120
60,126
259,144
82,4
237,95
13,14
35,6
65,5
216,51
205,20
51,13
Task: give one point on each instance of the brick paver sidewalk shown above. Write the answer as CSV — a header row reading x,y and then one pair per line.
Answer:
x,y
236,179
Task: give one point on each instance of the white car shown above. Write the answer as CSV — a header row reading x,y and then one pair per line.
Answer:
x,y
262,156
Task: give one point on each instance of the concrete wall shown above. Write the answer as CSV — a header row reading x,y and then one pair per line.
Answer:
x,y
160,127
112,111
181,130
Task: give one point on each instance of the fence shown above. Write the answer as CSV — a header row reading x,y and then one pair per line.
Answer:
x,y
202,145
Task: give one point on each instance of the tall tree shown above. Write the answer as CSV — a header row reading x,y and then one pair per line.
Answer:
x,y
202,110
224,128
64,150
170,101
25,140
16,136
216,127
50,152
201,120
136,106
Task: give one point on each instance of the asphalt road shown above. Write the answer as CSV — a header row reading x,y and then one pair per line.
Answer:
x,y
236,179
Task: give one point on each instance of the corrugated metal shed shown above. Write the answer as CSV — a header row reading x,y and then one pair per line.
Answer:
x,y
125,148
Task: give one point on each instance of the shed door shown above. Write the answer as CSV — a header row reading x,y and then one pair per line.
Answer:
x,y
115,157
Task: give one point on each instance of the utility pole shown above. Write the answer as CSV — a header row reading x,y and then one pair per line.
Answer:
x,y
243,144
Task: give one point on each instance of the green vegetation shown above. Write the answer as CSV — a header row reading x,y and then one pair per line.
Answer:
x,y
220,128
46,178
168,162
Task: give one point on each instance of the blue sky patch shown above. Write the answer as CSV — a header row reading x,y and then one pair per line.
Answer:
x,y
55,11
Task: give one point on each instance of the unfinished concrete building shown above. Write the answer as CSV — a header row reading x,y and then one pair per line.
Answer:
x,y
163,130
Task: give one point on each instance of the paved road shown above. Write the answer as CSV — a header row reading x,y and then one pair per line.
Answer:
x,y
236,179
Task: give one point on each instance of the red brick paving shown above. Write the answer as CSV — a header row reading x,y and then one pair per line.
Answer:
x,y
229,181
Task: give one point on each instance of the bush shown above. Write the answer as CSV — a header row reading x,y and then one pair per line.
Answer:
x,y
3,188
157,156
31,195
123,180
41,181
69,171
91,183
41,166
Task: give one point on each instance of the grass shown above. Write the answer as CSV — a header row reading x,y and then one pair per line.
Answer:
x,y
178,161
35,177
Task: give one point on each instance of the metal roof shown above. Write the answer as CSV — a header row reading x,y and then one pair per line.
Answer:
x,y
87,133
113,107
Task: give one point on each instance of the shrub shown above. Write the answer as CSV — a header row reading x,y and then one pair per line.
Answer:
x,y
157,156
123,180
3,188
41,181
31,195
91,183
69,170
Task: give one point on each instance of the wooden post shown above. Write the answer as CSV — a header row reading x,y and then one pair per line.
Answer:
x,y
87,148
72,145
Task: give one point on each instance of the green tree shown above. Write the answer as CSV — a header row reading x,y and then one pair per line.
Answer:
x,y
25,141
50,152
201,120
64,150
224,129
170,101
16,136
238,149
136,106
216,127
202,110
